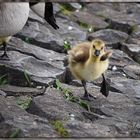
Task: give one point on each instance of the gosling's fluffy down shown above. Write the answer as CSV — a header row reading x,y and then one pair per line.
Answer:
x,y
83,64
88,60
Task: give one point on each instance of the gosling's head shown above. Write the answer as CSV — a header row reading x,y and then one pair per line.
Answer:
x,y
97,48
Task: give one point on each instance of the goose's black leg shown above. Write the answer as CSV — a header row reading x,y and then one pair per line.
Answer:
x,y
49,15
104,87
4,56
86,96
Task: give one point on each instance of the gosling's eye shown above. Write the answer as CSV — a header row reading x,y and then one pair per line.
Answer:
x,y
101,48
93,46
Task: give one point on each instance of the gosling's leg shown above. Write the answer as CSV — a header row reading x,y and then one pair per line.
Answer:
x,y
104,87
4,56
86,96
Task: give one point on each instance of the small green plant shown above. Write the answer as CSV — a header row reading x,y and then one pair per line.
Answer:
x,y
58,126
66,45
27,77
86,26
27,40
83,25
24,103
58,84
15,133
3,79
90,29
69,96
133,29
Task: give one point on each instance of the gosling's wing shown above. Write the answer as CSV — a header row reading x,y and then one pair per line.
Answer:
x,y
106,55
80,53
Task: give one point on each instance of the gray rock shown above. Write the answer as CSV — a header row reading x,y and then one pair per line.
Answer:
x,y
136,33
117,111
80,129
15,118
123,17
54,106
43,36
111,37
89,20
19,91
133,71
102,9
40,64
133,50
120,59
125,23
37,58
76,5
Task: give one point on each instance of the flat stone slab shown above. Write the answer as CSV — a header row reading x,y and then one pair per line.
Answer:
x,y
90,20
13,118
111,37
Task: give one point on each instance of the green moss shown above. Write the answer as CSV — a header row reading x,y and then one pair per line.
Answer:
x,y
133,29
65,10
58,126
137,59
67,6
28,79
24,103
86,26
83,25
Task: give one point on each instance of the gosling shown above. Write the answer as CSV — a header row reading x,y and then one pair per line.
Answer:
x,y
13,17
87,62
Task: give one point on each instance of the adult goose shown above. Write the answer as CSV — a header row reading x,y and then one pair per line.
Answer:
x,y
13,17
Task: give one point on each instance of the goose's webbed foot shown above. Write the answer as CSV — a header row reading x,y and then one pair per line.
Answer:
x,y
4,56
88,97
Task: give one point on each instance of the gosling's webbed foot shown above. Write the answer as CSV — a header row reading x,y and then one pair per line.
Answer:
x,y
104,87
4,57
88,97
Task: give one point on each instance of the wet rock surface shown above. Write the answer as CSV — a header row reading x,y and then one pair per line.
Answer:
x,y
40,98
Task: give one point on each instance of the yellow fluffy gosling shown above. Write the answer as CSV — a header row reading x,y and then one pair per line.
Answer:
x,y
88,61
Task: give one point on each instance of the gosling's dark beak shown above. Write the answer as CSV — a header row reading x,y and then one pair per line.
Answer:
x,y
97,52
